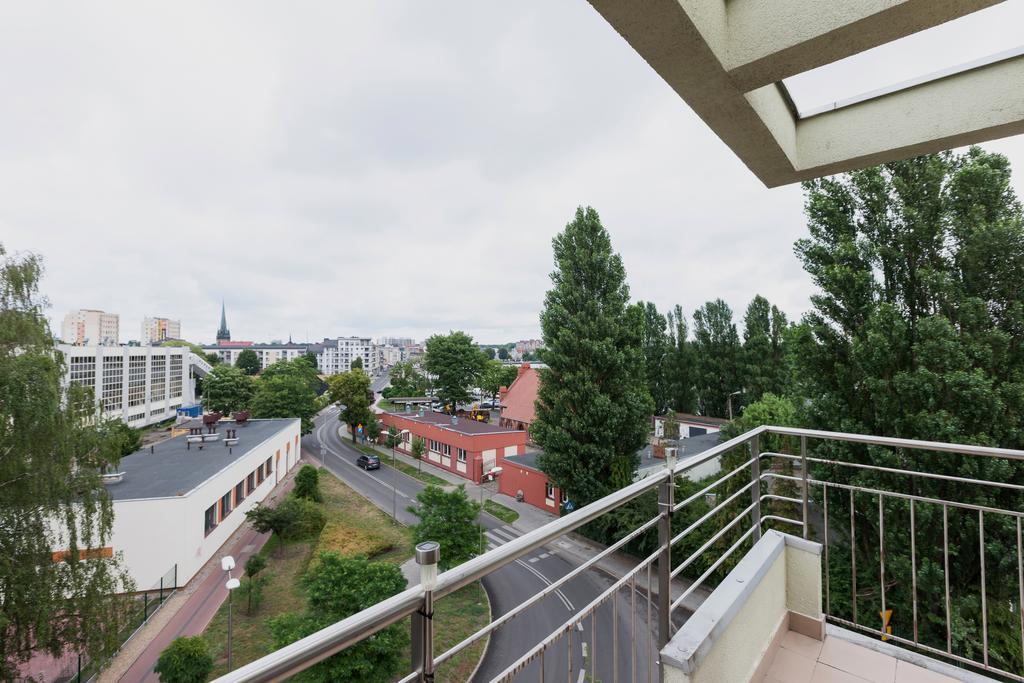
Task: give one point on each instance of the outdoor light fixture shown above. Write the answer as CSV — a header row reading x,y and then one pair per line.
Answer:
x,y
227,563
428,554
232,584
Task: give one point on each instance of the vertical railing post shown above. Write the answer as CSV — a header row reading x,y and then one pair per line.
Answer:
x,y
428,554
666,499
755,488
804,476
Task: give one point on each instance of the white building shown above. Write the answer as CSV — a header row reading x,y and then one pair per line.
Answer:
x,y
335,356
268,354
175,507
156,330
89,326
389,355
141,385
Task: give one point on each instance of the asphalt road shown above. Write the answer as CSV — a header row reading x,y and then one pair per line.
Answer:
x,y
569,659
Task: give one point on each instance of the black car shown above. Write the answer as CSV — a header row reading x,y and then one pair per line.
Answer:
x,y
368,462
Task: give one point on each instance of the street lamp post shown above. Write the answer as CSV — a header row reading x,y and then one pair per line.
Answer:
x,y
735,393
489,476
227,563
394,474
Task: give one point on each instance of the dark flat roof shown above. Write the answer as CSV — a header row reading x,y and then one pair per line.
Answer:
x,y
687,448
174,470
464,425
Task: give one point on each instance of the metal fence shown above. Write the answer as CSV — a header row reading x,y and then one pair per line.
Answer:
x,y
875,503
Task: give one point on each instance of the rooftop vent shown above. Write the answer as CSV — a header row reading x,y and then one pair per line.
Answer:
x,y
211,418
112,477
455,420
241,417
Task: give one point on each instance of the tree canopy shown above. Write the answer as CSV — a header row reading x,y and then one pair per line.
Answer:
x,y
52,500
450,518
227,389
497,375
593,404
248,362
405,380
287,389
717,353
186,660
337,587
352,390
456,362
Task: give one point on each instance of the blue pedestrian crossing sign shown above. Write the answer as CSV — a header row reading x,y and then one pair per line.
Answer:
x,y
569,507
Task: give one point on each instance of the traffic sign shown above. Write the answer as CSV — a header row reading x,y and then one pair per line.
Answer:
x,y
886,626
359,428
569,507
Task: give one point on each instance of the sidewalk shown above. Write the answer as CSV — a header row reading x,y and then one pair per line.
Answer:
x,y
191,608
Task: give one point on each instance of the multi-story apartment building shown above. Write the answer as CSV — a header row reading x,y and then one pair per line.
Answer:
x,y
90,326
389,355
141,385
267,353
396,341
336,355
156,330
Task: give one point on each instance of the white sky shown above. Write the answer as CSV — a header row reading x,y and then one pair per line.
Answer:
x,y
385,168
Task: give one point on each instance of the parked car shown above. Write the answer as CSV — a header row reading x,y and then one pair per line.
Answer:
x,y
486,405
368,462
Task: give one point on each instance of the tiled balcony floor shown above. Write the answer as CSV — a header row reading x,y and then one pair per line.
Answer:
x,y
800,659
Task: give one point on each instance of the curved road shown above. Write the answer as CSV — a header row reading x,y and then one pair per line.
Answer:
x,y
514,584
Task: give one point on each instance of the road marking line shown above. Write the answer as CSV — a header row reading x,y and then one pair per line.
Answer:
x,y
547,581
505,536
583,673
352,464
533,559
544,556
579,627
498,540
584,645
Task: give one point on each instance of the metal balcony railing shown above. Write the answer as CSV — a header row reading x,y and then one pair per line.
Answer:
x,y
877,505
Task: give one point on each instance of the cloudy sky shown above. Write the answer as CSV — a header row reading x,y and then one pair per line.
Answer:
x,y
384,168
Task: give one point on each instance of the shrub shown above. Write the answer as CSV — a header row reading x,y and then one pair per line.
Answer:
x,y
307,484
306,518
186,660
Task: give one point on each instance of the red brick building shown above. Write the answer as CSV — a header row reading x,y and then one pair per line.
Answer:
x,y
521,476
517,411
465,447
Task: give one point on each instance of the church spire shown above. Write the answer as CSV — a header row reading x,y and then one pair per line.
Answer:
x,y
223,333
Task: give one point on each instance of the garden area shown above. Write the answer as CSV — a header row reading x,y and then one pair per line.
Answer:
x,y
303,581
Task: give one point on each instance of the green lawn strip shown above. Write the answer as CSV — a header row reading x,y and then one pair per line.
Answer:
x,y
404,467
505,514
388,406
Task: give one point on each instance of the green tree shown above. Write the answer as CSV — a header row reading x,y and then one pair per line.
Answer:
x,y
497,375
357,363
655,344
593,406
456,362
918,332
117,430
287,389
307,484
764,355
213,358
717,354
350,390
273,520
311,359
679,364
254,582
489,352
337,587
186,660
227,389
450,519
372,428
406,380
248,362
416,450
52,498
502,353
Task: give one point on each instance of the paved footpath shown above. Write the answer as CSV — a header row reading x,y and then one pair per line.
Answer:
x,y
189,611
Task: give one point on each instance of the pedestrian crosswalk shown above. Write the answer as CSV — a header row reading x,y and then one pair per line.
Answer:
x,y
503,534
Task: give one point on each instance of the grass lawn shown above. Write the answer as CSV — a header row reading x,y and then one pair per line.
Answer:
x,y
404,467
354,526
505,514
388,406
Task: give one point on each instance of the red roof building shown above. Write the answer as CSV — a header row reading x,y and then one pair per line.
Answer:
x,y
517,411
465,447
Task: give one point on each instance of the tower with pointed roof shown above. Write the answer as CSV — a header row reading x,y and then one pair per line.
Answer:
x,y
223,333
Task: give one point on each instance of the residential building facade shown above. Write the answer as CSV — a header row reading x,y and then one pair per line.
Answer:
x,y
141,385
335,356
156,330
267,353
459,445
87,326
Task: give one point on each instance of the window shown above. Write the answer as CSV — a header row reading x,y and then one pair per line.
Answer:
x,y
549,491
225,505
259,474
113,378
446,449
176,376
435,446
210,519
250,483
157,378
267,468
239,492
136,380
462,454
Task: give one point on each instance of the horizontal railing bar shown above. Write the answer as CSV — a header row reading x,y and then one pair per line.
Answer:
x,y
711,569
713,485
409,677
547,590
911,473
777,518
710,513
686,563
893,442
904,496
785,499
611,591
922,646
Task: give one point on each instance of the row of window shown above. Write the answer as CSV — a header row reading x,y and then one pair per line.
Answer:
x,y
445,449
216,513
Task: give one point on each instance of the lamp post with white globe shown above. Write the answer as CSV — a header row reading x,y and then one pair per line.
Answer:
x,y
227,563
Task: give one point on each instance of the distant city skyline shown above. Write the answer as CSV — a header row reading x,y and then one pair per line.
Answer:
x,y
380,169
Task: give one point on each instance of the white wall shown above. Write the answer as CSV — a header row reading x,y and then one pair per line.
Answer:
x,y
154,534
